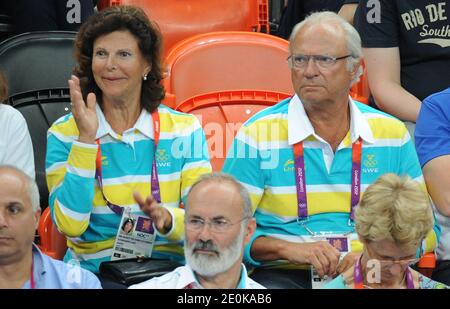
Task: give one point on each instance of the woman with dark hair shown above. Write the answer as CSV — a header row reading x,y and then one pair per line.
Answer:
x,y
121,23
127,226
120,142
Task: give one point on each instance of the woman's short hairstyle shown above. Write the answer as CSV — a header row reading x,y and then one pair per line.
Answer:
x,y
396,209
148,36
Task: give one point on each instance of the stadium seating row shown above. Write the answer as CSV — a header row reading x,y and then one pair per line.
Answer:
x,y
223,77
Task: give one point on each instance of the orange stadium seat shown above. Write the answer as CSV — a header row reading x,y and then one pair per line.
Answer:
x,y
52,242
427,263
181,19
222,113
227,60
360,91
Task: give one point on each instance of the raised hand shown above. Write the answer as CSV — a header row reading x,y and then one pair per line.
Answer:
x,y
160,216
84,114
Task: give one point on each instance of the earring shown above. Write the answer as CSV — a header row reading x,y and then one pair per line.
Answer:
x,y
144,77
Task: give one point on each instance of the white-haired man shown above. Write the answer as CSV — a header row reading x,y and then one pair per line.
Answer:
x,y
22,265
306,160
218,224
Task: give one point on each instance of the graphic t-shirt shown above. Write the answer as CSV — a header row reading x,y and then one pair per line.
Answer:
x,y
421,30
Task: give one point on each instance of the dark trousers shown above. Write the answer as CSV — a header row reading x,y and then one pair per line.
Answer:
x,y
274,278
442,272
109,284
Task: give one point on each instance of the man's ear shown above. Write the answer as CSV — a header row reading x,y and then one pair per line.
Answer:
x,y
37,217
355,69
249,230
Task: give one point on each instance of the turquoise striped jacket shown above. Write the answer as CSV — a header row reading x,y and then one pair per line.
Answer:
x,y
262,159
77,205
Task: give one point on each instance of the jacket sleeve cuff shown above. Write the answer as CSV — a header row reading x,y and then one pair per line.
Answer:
x,y
247,251
81,160
176,233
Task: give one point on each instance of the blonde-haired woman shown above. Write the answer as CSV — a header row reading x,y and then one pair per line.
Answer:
x,y
392,219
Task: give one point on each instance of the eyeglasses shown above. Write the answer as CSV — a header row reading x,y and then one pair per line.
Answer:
x,y
388,263
301,61
402,263
219,225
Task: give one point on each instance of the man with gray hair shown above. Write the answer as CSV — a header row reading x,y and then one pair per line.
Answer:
x,y
315,154
218,224
22,264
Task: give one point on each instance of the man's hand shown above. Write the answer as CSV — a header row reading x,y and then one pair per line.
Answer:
x,y
348,261
160,216
321,255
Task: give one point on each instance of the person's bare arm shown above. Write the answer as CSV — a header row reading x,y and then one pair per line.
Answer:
x,y
321,254
347,11
383,72
437,178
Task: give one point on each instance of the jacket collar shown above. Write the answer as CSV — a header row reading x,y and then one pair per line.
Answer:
x,y
300,128
144,124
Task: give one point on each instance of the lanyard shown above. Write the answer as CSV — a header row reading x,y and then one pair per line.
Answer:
x,y
300,178
190,286
154,177
359,282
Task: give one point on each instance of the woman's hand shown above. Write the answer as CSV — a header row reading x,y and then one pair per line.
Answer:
x,y
84,114
160,216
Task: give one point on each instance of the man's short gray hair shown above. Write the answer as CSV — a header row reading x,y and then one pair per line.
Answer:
x,y
32,188
351,36
221,178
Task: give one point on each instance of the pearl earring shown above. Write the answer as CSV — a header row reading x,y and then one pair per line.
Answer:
x,y
144,77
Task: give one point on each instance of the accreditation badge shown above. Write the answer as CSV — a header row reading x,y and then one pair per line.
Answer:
x,y
135,237
342,244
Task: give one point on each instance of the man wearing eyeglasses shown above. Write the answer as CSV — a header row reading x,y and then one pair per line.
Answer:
x,y
307,160
218,224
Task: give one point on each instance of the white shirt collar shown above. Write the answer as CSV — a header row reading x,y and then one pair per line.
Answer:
x,y
187,278
299,126
144,124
